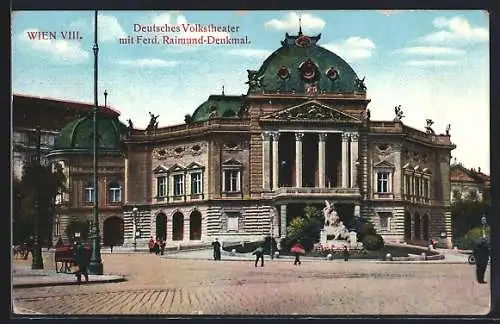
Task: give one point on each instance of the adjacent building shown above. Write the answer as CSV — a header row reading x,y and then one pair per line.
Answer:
x,y
469,184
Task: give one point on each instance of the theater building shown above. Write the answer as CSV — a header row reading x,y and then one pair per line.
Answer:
x,y
241,167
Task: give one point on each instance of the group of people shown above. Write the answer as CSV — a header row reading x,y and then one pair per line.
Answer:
x,y
157,247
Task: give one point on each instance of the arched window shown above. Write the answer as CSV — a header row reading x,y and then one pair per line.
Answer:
x,y
89,192
114,192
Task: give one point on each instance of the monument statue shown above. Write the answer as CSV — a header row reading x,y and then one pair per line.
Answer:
x,y
335,229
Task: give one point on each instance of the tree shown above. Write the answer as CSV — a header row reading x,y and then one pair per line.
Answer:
x,y
40,182
466,215
306,229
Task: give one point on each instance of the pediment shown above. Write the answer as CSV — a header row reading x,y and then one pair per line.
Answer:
x,y
232,161
194,166
176,167
310,111
384,164
160,169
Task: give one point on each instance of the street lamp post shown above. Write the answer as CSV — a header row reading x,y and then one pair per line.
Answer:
x,y
134,212
37,260
95,265
483,221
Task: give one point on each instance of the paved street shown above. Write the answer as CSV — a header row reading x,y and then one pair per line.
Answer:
x,y
158,285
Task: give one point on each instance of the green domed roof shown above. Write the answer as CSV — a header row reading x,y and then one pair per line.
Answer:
x,y
300,63
222,105
78,134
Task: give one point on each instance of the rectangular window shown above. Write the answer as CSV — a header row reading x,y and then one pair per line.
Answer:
x,y
196,183
408,184
426,188
233,221
384,218
417,187
161,186
115,194
89,194
178,184
231,180
383,182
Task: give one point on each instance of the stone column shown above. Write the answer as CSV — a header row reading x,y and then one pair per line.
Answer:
x,y
298,159
276,162
354,159
321,159
125,182
345,160
283,220
266,165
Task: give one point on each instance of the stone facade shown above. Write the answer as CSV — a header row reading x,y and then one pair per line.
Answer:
x,y
469,184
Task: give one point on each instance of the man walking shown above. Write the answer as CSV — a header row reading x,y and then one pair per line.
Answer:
x,y
82,261
259,254
216,246
481,254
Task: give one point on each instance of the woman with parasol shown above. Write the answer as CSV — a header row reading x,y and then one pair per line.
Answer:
x,y
297,249
259,254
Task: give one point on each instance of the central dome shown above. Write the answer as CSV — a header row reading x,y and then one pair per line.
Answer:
x,y
301,66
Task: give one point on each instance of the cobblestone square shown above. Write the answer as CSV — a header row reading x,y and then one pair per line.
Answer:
x,y
157,285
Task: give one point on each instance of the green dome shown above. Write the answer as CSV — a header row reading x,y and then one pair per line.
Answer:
x,y
224,107
300,63
78,135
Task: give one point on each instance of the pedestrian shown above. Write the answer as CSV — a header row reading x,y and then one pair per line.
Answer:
x,y
346,253
481,254
151,244
156,247
259,254
216,246
82,261
111,248
297,249
162,247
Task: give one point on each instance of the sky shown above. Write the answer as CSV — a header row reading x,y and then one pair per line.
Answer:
x,y
435,64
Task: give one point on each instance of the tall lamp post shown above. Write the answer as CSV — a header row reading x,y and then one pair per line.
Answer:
x,y
37,260
483,221
134,212
95,265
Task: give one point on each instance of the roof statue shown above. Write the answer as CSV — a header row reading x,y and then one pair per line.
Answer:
x,y
428,128
399,113
448,127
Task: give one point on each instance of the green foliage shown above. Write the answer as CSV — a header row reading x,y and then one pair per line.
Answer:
x,y
305,229
37,182
466,215
373,242
470,239
76,226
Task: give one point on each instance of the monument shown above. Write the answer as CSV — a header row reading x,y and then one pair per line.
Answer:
x,y
334,233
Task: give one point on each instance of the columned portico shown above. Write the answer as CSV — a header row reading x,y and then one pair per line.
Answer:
x,y
298,159
321,159
354,159
276,136
345,160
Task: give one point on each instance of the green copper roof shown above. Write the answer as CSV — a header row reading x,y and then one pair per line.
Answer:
x,y
225,106
78,134
331,73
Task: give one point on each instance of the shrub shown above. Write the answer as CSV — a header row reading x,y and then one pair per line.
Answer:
x,y
469,240
373,242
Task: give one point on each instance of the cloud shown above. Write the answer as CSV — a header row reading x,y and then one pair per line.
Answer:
x,y
62,50
109,28
425,63
388,12
430,50
353,48
455,29
149,63
291,22
248,52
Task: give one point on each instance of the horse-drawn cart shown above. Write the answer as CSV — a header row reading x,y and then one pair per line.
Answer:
x,y
65,258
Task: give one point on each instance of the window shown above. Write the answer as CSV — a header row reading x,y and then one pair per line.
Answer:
x,y
408,184
457,195
383,182
417,187
233,221
161,186
89,193
384,218
472,194
114,192
196,183
426,188
231,180
178,184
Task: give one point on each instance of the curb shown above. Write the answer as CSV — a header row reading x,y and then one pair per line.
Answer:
x,y
65,283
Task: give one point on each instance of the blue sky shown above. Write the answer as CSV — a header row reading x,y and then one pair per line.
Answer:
x,y
435,64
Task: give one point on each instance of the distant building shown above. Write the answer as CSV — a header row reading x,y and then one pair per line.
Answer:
x,y
468,184
51,115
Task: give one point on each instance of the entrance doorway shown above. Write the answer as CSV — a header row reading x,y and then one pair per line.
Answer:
x,y
161,226
178,227
113,231
195,225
